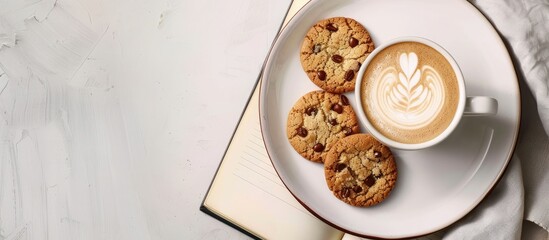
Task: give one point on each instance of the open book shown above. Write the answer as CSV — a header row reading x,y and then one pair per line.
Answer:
x,y
246,192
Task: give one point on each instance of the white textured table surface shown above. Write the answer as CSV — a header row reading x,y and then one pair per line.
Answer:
x,y
114,115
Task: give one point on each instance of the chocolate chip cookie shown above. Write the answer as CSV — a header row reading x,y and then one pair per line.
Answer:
x,y
317,121
332,52
360,170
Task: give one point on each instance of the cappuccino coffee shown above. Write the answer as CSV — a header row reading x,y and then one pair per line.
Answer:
x,y
409,92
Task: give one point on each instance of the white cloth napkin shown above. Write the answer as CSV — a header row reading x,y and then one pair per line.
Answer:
x,y
523,191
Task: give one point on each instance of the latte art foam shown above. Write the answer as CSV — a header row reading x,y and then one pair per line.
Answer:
x,y
410,92
404,100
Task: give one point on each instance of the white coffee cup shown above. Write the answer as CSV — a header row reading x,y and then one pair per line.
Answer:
x,y
410,92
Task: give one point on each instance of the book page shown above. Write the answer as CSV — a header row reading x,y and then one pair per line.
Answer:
x,y
247,191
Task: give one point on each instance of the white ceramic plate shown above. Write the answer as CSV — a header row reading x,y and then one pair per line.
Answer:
x,y
436,186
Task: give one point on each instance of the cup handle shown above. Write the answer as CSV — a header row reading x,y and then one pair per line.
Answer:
x,y
480,106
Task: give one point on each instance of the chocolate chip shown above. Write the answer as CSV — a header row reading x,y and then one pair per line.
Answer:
x,y
349,75
337,58
340,166
353,42
333,122
302,132
357,189
348,131
331,27
310,111
318,147
317,48
377,154
321,75
345,192
344,100
370,181
337,108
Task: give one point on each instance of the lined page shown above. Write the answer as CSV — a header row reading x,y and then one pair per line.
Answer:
x,y
247,191
256,168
